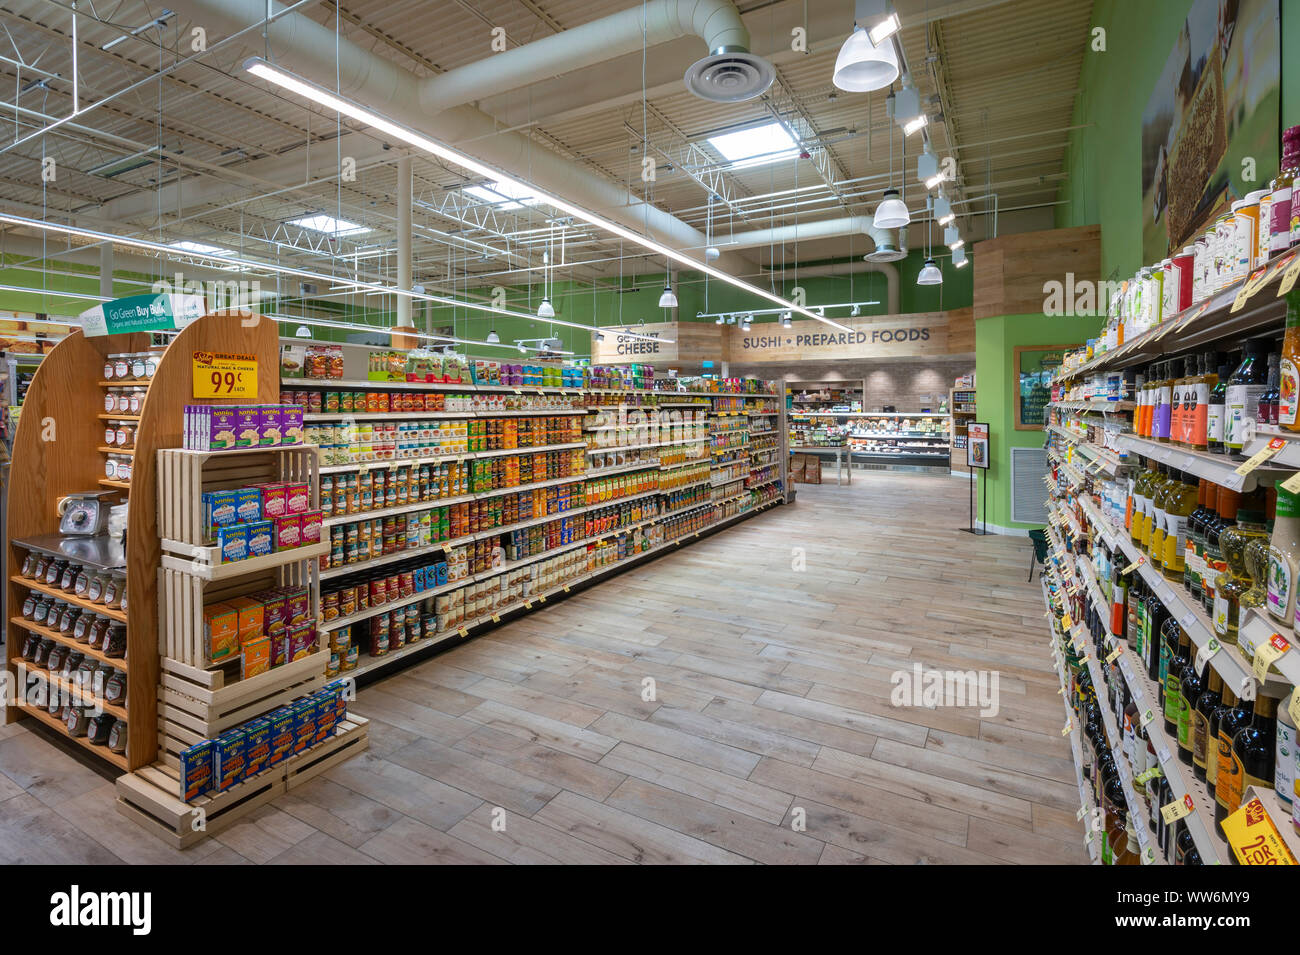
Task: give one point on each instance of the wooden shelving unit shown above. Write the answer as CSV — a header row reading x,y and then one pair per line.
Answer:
x,y
961,409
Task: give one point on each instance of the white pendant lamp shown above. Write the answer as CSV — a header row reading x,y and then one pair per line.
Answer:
x,y
546,309
863,66
892,212
667,299
930,274
786,322
492,337
303,332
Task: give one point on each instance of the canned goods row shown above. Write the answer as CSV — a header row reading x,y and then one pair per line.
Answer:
x,y
602,490
383,402
356,595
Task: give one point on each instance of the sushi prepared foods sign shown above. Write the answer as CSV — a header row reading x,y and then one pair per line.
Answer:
x,y
142,313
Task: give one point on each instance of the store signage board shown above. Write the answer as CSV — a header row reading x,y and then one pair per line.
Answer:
x,y
142,313
1253,836
218,375
977,445
616,347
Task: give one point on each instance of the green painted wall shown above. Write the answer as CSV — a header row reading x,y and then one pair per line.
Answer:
x,y
1103,158
995,341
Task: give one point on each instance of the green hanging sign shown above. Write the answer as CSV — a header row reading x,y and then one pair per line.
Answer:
x,y
142,313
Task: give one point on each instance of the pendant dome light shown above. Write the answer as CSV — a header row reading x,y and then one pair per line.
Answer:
x,y
892,212
930,274
863,66
303,332
667,298
546,309
493,338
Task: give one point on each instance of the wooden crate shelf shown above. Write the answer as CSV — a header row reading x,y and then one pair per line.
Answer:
x,y
103,752
151,796
69,598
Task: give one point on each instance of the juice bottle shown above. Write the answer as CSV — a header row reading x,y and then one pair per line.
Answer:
x,y
1156,540
1200,419
1180,501
1164,403
1140,399
1288,405
1195,545
1180,430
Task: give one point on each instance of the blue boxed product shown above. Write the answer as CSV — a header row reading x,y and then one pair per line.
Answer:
x,y
257,753
220,509
233,542
326,713
442,574
340,690
304,724
196,770
261,538
248,504
418,578
229,758
282,736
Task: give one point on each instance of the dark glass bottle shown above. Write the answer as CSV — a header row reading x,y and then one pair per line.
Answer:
x,y
1189,692
1227,787
1206,704
1156,615
1171,635
1245,387
1254,747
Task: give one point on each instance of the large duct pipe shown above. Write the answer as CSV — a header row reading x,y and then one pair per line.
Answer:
x,y
716,22
303,46
887,269
807,232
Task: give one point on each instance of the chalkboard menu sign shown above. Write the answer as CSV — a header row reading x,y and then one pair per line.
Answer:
x,y
1032,370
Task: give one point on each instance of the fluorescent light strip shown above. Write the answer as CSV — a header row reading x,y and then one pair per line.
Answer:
x,y
42,291
225,260
296,84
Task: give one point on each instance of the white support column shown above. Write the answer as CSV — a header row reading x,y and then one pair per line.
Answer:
x,y
106,270
404,240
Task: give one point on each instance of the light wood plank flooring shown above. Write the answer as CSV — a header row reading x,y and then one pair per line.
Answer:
x,y
771,700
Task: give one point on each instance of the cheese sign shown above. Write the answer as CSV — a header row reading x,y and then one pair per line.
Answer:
x,y
217,375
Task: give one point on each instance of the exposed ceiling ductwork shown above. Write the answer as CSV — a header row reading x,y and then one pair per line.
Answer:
x,y
889,246
888,270
729,73
298,43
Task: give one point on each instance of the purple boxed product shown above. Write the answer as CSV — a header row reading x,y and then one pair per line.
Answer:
x,y
271,425
279,650
291,425
297,606
261,539
222,427
248,426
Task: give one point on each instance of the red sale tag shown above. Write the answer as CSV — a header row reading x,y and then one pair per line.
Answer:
x,y
1279,643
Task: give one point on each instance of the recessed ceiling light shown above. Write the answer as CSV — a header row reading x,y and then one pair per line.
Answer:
x,y
199,247
756,146
329,225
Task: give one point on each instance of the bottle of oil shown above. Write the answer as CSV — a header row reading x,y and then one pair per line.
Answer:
x,y
1141,502
1194,557
1224,516
1211,696
1180,501
1164,404
1156,541
1245,387
1231,716
1232,583
1190,685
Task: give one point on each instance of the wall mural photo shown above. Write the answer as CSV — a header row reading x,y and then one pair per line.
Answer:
x,y
1210,130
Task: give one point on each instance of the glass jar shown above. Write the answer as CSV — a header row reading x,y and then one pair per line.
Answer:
x,y
115,592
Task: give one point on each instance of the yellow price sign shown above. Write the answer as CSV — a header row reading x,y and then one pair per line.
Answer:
x,y
1292,483
1252,285
1291,272
1178,809
219,375
1268,652
496,618
1254,837
1259,457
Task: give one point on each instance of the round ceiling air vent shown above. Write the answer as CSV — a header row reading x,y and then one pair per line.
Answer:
x,y
729,77
885,252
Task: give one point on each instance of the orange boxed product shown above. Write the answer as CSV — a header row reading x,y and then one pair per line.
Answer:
x,y
251,615
220,631
257,657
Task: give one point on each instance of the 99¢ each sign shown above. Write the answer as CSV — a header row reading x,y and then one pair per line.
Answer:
x,y
219,375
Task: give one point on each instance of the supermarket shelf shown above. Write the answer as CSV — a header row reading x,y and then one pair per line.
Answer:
x,y
205,562
1103,405
352,516
444,458
103,752
316,416
84,696
624,469
682,464
1219,468
66,597
496,571
869,414
119,662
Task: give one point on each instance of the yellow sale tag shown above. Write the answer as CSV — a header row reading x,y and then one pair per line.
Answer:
x,y
1135,565
218,375
1114,655
1067,621
1254,837
1065,730
462,631
496,618
528,605
542,599
1259,457
1292,483
1266,653
1178,809
566,588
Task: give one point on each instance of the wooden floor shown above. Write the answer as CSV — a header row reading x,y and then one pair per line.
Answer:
x,y
771,696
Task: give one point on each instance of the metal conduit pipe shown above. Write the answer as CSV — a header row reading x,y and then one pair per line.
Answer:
x,y
303,46
887,269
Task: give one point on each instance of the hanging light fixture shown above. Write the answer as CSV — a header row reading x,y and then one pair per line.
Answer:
x,y
546,309
927,165
720,321
785,321
492,337
959,259
943,213
892,212
930,274
303,332
952,239
855,311
863,66
667,299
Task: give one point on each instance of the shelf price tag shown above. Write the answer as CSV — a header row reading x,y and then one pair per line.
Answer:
x,y
1246,691
1178,809
1148,715
1065,730
1148,774
1291,272
496,618
218,375
1203,655
462,631
1292,483
1251,286
1266,653
1114,655
1259,457
1135,565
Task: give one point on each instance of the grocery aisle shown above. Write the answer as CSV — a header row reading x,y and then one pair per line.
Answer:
x,y
772,692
